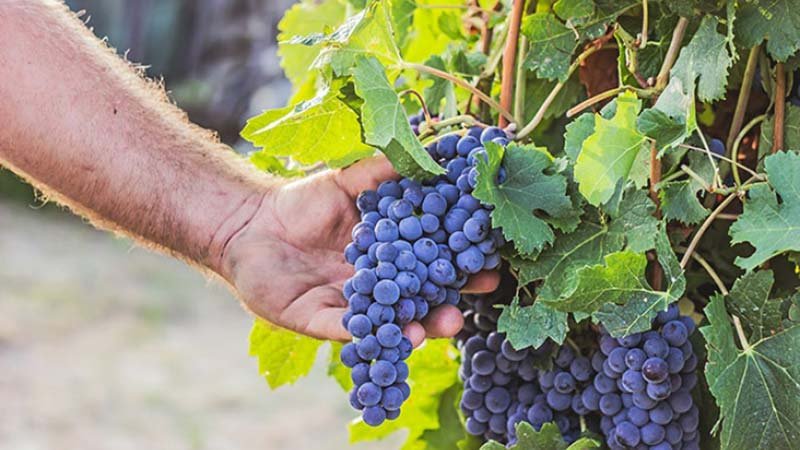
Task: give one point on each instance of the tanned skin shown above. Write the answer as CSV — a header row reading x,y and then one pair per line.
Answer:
x,y
86,129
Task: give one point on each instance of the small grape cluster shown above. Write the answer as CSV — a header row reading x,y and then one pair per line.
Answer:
x,y
413,250
643,388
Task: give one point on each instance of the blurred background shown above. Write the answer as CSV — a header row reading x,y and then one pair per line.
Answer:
x,y
106,346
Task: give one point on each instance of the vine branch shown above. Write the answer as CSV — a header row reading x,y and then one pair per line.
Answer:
x,y
744,96
510,59
780,107
735,150
672,53
703,228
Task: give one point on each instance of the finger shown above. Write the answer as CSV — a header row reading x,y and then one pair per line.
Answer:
x,y
366,174
317,313
443,321
327,324
483,282
415,333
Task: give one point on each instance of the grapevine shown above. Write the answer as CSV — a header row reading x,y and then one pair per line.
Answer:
x,y
629,168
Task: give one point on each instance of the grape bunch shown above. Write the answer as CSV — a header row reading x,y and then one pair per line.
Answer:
x,y
413,250
643,387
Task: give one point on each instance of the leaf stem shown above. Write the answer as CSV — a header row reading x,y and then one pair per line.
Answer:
x,y
591,101
688,171
422,103
744,96
645,24
672,53
710,270
724,158
780,107
735,149
422,68
539,116
510,59
740,331
703,228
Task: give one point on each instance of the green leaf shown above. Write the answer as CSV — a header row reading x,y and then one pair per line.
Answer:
x,y
434,29
433,368
576,132
547,438
323,129
608,154
537,90
531,326
283,356
551,45
673,118
588,245
439,88
337,370
705,58
305,18
403,19
637,312
778,21
679,200
273,165
529,190
367,34
749,300
574,12
771,227
791,131
386,124
757,388
450,427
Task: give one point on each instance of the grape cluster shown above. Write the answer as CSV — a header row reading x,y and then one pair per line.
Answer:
x,y
413,250
643,387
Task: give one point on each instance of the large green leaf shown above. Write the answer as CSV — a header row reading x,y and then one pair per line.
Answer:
x,y
531,326
679,200
283,356
609,153
551,45
386,124
433,368
323,129
757,389
530,189
547,438
769,226
778,21
296,46
706,59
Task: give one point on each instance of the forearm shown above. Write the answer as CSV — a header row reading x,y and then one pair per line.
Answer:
x,y
87,130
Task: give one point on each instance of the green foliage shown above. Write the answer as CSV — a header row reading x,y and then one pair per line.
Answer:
x,y
756,387
705,60
283,356
679,199
530,187
771,227
531,326
778,21
548,438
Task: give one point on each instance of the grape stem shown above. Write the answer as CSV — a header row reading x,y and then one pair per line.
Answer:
x,y
724,158
672,53
422,103
510,59
537,119
744,96
645,25
688,171
780,107
704,227
422,68
708,268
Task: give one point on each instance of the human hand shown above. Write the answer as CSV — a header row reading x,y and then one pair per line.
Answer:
x,y
287,263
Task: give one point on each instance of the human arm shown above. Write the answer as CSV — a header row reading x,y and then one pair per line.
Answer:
x,y
85,128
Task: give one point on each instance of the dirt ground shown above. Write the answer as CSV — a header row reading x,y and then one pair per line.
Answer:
x,y
107,346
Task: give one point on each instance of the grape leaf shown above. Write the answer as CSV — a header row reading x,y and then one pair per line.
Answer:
x,y
435,27
337,370
273,165
636,314
706,59
587,245
608,154
529,192
547,438
402,19
576,132
368,33
771,227
679,199
433,368
306,18
574,12
756,388
673,118
551,45
749,300
450,427
386,124
791,131
531,326
323,129
439,88
778,21
283,356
